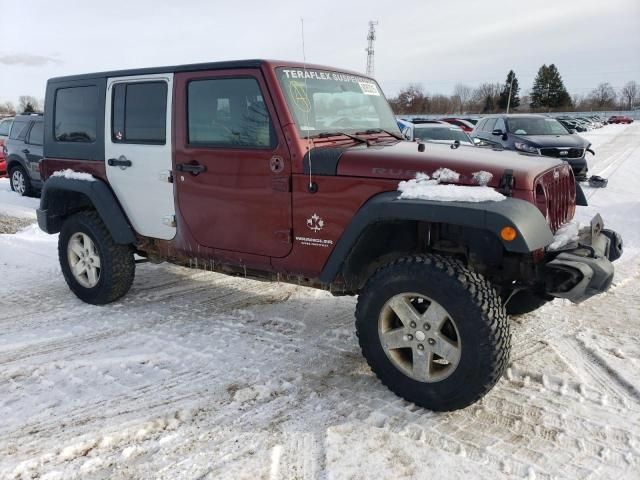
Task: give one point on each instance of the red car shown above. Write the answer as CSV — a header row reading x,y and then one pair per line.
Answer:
x,y
463,124
5,127
620,119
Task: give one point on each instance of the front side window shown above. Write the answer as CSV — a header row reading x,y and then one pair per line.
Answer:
x,y
332,102
500,125
228,112
536,126
76,114
488,127
139,113
19,129
36,135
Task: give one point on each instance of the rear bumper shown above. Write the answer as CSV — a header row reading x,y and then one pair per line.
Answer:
x,y
584,268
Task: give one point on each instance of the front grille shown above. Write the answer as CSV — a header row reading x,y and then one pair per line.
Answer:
x,y
559,188
562,152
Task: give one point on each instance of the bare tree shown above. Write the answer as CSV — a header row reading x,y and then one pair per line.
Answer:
x,y
28,103
486,96
461,96
603,96
629,94
7,108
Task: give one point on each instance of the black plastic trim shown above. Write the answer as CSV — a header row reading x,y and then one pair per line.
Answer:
x,y
532,228
54,206
324,161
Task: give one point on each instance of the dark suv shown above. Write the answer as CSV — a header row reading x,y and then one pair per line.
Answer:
x,y
535,135
23,152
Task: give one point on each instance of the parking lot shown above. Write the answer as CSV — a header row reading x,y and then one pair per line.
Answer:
x,y
198,375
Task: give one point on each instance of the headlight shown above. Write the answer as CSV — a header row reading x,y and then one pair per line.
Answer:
x,y
523,147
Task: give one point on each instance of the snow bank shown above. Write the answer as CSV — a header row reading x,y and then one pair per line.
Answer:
x,y
482,177
426,189
566,234
446,175
73,175
13,204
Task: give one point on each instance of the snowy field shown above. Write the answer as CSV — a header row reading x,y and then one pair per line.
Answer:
x,y
199,375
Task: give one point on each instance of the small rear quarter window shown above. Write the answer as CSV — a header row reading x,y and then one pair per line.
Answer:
x,y
19,129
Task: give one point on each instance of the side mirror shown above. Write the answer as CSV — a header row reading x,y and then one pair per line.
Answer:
x,y
572,131
497,132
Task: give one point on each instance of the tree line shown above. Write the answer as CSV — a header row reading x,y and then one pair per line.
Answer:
x,y
26,104
548,94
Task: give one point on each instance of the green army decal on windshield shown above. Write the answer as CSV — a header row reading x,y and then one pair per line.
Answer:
x,y
298,92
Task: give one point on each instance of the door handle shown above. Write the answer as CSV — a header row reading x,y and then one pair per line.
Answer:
x,y
194,169
119,162
25,150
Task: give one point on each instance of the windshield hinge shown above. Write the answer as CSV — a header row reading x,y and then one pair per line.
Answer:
x,y
506,183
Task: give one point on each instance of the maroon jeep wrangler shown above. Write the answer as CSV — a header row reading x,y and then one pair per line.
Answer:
x,y
275,170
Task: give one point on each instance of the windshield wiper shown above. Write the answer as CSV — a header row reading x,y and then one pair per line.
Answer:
x,y
333,134
382,130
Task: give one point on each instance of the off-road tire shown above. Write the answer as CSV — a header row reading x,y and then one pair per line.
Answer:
x,y
470,301
28,188
117,263
523,302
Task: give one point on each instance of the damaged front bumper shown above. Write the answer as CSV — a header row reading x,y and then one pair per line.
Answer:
x,y
583,268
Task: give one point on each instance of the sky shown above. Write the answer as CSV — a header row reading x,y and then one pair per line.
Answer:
x,y
435,44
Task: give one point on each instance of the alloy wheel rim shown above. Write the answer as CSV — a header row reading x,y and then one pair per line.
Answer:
x,y
84,260
419,337
17,179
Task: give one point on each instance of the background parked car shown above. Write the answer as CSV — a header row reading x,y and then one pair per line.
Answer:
x,y
620,119
435,132
535,135
463,124
5,128
23,152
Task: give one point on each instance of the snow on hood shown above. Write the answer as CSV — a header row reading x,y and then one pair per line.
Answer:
x,y
73,175
424,188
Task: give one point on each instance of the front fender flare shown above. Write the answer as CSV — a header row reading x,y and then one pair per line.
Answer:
x,y
54,205
532,228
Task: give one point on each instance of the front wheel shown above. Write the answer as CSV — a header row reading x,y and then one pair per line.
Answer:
x,y
433,331
97,269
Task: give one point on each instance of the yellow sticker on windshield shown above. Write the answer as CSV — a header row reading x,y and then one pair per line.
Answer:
x,y
298,92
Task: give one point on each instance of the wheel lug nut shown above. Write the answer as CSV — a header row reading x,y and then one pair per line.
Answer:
x,y
413,324
420,346
409,337
427,326
432,341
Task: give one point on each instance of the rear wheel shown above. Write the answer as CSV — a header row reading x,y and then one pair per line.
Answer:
x,y
97,269
20,182
433,331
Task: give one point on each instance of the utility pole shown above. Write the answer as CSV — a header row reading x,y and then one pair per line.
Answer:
x,y
510,88
371,36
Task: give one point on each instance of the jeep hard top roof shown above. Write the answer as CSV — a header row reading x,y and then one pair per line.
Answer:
x,y
194,67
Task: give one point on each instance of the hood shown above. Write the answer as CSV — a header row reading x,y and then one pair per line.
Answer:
x,y
553,140
402,161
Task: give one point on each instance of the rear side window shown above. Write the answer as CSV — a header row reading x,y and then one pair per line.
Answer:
x,y
36,135
228,112
19,129
76,114
139,113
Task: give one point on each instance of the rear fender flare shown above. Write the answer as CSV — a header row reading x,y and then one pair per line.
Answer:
x,y
533,233
55,204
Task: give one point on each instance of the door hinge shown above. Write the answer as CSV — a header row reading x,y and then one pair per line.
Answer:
x,y
166,176
284,236
169,220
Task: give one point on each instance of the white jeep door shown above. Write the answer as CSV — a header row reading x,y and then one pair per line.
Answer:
x,y
138,151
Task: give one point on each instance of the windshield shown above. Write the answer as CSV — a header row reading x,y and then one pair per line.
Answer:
x,y
536,126
439,133
333,102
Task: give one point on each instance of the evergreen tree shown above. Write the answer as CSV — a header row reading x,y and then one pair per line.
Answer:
x,y
504,94
548,89
29,108
488,105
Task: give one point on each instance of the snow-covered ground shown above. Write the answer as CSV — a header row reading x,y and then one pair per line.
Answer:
x,y
199,375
